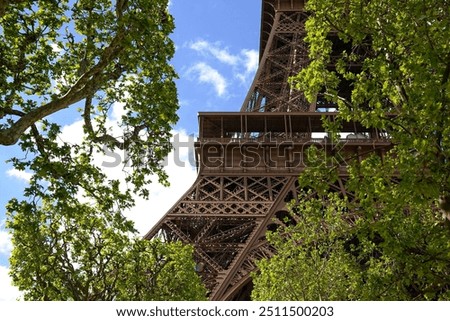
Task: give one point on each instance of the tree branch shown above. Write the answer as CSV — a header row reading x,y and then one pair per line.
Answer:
x,y
86,85
107,139
121,6
398,124
4,4
446,74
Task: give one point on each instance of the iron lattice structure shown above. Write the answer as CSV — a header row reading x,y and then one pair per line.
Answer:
x,y
249,161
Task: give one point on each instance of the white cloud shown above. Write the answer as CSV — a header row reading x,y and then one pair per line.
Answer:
x,y
178,166
180,170
250,60
55,48
73,133
221,54
146,213
244,64
181,176
8,292
207,74
22,175
118,110
5,241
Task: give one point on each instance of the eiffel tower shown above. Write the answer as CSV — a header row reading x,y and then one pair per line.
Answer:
x,y
249,161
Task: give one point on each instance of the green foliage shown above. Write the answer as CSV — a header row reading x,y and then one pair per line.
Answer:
x,y
368,250
158,271
57,56
62,61
405,70
78,253
386,238
311,261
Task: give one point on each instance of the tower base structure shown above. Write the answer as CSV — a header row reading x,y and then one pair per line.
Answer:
x,y
249,165
249,161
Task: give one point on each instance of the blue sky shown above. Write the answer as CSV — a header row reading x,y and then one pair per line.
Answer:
x,y
217,45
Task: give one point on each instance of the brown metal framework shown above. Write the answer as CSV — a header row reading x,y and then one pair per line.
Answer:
x,y
249,161
283,54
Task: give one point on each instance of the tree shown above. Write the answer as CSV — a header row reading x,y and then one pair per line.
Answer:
x,y
395,247
338,250
59,58
311,261
84,254
406,72
87,55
